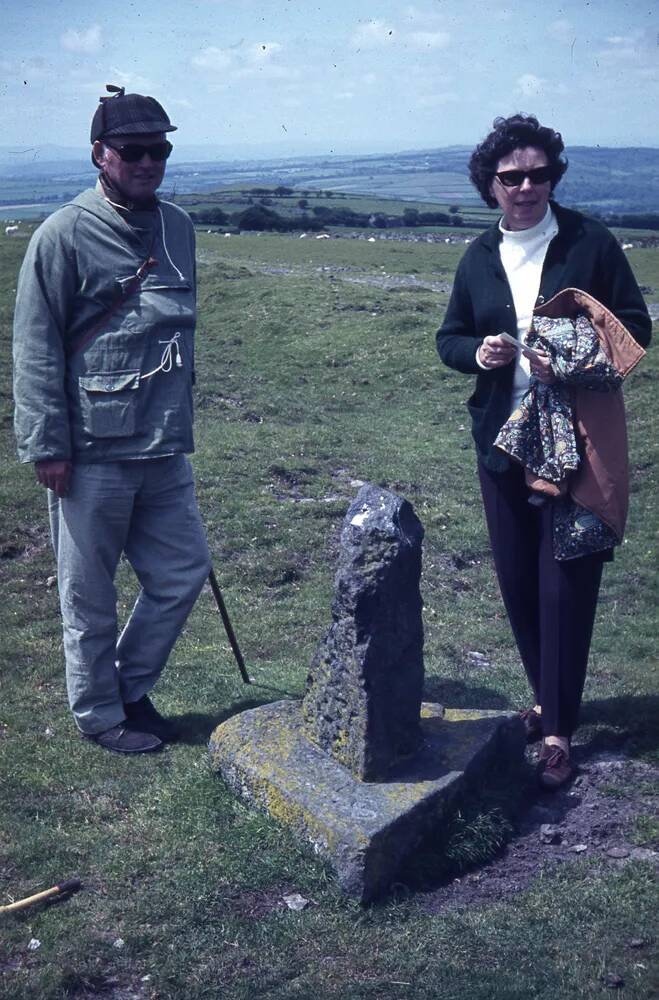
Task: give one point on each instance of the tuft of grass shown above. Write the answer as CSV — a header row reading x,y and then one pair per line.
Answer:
x,y
645,832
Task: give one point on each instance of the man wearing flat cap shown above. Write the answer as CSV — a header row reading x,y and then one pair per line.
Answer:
x,y
103,375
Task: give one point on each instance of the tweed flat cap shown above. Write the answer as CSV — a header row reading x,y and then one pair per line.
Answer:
x,y
128,114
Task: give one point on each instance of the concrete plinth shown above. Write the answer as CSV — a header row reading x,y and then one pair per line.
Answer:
x,y
365,830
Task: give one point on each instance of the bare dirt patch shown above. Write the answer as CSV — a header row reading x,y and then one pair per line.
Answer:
x,y
256,904
355,276
24,543
594,816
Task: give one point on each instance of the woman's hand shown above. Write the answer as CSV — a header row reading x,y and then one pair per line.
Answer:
x,y
494,352
540,366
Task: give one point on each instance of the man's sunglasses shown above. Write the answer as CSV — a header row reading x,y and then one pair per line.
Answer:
x,y
513,178
132,152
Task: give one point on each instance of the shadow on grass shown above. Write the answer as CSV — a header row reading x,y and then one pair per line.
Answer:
x,y
628,722
481,821
456,694
195,728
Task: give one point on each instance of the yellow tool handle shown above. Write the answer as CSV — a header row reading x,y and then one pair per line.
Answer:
x,y
71,885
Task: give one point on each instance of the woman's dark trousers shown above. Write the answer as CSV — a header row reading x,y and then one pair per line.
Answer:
x,y
551,604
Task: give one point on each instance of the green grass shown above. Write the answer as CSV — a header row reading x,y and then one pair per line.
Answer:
x,y
307,382
646,832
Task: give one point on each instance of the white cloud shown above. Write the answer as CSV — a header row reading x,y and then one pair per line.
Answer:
x,y
633,47
344,95
262,52
530,85
258,59
213,59
429,39
88,40
631,58
377,34
133,82
262,61
369,79
372,35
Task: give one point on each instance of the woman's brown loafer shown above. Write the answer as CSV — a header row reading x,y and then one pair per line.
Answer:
x,y
554,767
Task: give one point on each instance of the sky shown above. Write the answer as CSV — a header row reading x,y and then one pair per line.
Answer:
x,y
344,76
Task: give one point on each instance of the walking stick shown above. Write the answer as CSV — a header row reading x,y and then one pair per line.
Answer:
x,y
221,607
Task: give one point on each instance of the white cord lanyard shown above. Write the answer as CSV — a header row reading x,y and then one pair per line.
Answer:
x,y
171,347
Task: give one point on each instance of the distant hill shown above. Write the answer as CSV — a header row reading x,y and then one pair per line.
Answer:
x,y
602,179
612,180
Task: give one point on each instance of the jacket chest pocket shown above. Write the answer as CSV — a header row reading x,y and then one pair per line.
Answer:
x,y
108,402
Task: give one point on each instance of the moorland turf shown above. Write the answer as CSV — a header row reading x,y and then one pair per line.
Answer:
x,y
315,370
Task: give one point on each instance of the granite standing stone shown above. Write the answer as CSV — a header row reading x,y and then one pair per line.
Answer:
x,y
361,769
365,829
363,696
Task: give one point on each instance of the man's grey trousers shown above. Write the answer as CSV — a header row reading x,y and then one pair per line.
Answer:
x,y
147,510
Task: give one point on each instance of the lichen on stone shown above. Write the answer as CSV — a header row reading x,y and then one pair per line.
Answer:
x,y
363,693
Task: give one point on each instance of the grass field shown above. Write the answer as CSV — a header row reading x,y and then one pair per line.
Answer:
x,y
440,186
235,199
316,368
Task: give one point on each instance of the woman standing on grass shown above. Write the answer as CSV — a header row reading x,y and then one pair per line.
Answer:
x,y
536,250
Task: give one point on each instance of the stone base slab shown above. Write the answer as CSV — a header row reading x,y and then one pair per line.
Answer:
x,y
365,830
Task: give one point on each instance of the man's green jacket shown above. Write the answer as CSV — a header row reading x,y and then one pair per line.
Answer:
x,y
126,391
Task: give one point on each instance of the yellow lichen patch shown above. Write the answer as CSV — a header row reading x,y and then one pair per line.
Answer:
x,y
429,710
280,808
466,714
341,748
340,740
405,795
296,817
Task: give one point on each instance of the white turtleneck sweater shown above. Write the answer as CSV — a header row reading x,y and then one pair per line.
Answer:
x,y
522,255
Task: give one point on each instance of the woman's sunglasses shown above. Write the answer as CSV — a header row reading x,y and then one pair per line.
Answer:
x,y
513,178
132,152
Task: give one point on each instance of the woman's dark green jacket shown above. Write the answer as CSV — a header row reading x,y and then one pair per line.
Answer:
x,y
584,254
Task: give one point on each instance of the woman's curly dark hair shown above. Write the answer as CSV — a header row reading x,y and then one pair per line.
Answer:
x,y
508,134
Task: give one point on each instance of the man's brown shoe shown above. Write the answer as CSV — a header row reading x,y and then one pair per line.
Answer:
x,y
554,767
532,725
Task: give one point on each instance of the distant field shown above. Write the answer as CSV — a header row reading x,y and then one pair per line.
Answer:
x,y
27,212
598,178
422,186
304,200
234,198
